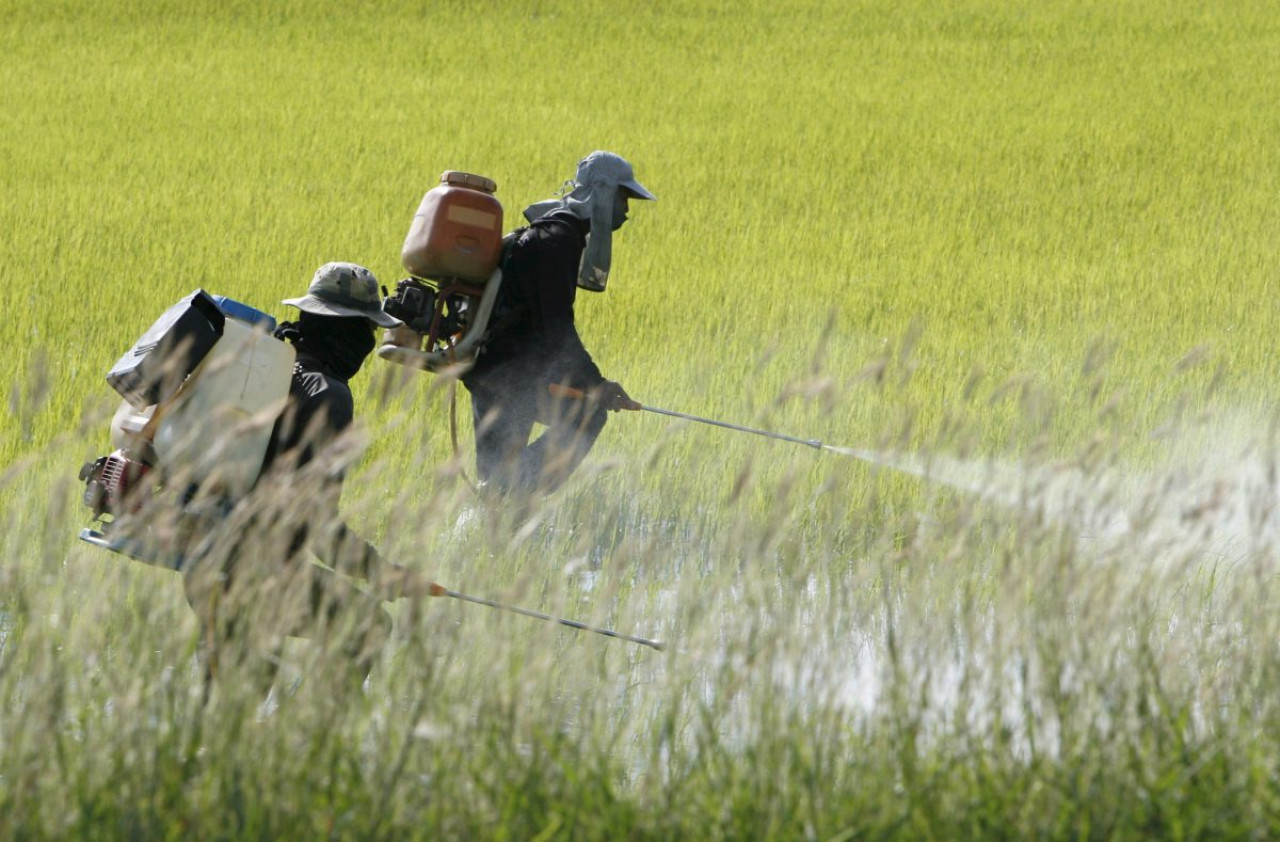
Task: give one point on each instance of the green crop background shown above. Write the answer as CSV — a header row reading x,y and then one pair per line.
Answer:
x,y
1017,184
973,231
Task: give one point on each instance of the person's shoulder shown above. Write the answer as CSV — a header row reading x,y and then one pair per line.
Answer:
x,y
320,388
556,225
313,381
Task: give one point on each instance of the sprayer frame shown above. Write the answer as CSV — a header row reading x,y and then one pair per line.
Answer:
x,y
483,297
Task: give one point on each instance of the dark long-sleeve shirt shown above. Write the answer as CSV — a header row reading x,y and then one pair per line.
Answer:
x,y
320,408
539,340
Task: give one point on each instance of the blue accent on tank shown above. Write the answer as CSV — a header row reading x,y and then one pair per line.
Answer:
x,y
243,312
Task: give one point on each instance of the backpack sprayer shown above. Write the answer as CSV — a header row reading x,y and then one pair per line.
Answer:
x,y
452,254
202,388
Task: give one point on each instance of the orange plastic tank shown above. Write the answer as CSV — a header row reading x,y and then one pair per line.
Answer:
x,y
457,231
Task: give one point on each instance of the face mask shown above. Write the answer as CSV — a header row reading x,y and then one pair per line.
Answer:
x,y
341,343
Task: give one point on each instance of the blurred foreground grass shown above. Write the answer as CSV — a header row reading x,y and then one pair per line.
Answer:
x,y
936,647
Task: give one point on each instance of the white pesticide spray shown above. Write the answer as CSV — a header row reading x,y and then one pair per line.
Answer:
x,y
1223,507
962,477
916,467
1205,518
1217,504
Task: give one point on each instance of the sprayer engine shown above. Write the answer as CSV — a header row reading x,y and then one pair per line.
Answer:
x,y
114,484
435,310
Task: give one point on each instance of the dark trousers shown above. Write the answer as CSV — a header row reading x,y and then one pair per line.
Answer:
x,y
248,601
504,411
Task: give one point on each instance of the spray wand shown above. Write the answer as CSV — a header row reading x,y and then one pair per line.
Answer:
x,y
433,589
139,552
569,392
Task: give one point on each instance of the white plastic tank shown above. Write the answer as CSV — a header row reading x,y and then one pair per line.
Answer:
x,y
130,426
218,426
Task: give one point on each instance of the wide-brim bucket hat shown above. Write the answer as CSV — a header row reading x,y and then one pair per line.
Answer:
x,y
345,290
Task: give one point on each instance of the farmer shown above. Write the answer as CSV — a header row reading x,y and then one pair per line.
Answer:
x,y
258,588
534,367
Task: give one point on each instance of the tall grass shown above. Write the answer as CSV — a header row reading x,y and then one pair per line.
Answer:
x,y
1023,254
1053,653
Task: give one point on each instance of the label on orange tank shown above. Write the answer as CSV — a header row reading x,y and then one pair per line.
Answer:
x,y
471,216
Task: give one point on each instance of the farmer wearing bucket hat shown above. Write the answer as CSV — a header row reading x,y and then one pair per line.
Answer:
x,y
334,334
263,589
534,357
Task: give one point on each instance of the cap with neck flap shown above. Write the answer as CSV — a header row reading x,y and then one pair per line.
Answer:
x,y
593,196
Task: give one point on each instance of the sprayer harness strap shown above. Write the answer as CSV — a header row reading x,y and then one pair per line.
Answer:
x,y
508,312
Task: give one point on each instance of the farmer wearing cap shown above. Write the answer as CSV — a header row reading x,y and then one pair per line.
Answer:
x,y
534,367
294,506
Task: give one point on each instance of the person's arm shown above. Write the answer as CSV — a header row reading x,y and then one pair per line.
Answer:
x,y
351,555
323,412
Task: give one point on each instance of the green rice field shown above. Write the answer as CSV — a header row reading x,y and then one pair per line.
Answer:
x,y
1016,262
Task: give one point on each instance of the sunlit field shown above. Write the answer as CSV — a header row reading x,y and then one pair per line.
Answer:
x,y
1016,264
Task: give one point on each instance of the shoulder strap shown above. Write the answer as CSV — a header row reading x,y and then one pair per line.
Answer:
x,y
508,244
505,312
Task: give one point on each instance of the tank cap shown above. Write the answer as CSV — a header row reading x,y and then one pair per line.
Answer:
x,y
466,179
